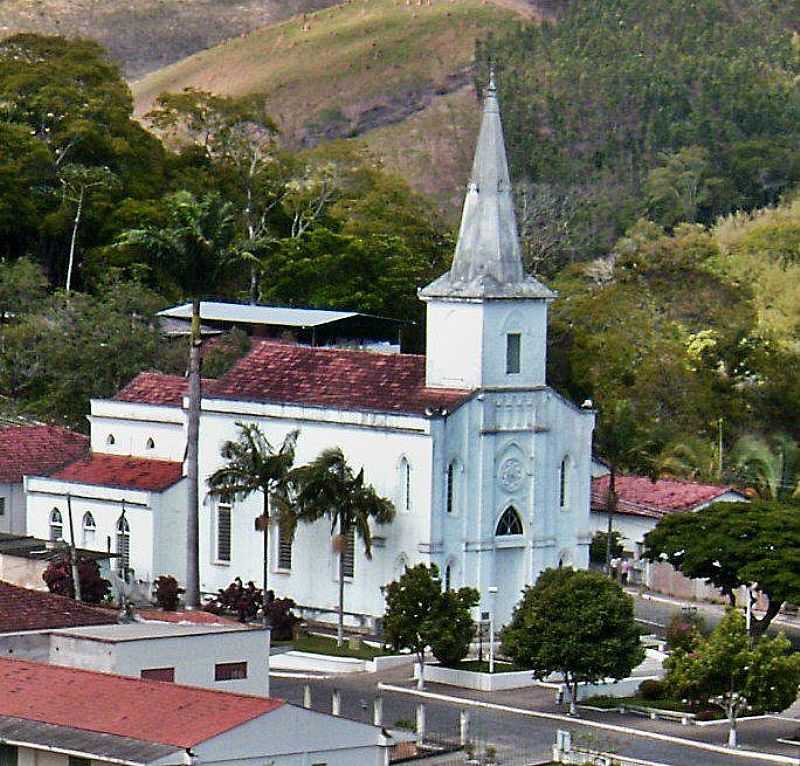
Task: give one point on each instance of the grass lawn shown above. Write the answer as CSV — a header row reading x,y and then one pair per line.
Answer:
x,y
483,667
705,714
324,645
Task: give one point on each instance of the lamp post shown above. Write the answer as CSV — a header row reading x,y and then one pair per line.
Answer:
x,y
492,590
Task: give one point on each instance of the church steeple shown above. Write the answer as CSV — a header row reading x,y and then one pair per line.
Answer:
x,y
488,261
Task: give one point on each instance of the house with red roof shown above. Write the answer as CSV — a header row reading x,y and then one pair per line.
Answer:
x,y
26,450
642,503
67,714
487,466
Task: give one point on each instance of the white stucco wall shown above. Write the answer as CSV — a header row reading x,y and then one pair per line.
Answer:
x,y
132,424
13,518
192,656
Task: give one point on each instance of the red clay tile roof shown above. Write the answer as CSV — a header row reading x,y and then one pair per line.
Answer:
x,y
37,450
150,711
196,617
23,609
122,471
333,377
157,388
640,496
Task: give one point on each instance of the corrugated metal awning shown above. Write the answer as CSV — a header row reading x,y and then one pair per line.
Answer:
x,y
214,311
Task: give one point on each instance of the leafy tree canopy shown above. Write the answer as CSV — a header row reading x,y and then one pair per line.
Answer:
x,y
735,544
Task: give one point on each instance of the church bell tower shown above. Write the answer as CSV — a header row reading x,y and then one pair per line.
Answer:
x,y
486,318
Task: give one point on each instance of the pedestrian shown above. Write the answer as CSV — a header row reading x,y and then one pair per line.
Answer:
x,y
614,567
625,569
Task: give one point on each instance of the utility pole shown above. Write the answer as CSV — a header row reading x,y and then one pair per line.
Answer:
x,y
73,552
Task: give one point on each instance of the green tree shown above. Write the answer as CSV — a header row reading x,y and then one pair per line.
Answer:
x,y
193,246
679,187
771,466
23,288
328,488
578,624
253,465
730,671
730,545
420,614
598,549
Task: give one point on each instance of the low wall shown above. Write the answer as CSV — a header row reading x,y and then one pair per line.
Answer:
x,y
625,687
482,682
389,661
321,663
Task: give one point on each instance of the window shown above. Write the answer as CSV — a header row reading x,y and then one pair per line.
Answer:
x,y
284,548
451,489
158,674
123,545
510,523
8,755
56,525
110,439
74,760
150,444
562,483
349,554
513,349
405,486
230,671
2,506
223,532
89,529
447,577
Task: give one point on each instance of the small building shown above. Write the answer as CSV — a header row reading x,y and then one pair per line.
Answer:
x,y
228,657
62,716
313,327
31,450
642,503
28,616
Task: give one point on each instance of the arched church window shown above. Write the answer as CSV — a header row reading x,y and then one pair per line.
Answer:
x,y
405,485
513,353
123,545
451,487
510,523
150,443
89,529
56,525
110,440
563,484
448,577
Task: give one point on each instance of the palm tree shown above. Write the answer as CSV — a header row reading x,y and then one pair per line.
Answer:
x,y
193,246
768,465
327,487
626,442
253,465
691,458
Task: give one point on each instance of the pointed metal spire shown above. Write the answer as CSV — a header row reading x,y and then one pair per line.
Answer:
x,y
488,261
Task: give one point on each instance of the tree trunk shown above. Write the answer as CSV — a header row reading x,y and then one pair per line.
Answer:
x,y
421,679
253,284
732,734
73,239
265,614
340,626
192,596
573,698
611,507
758,627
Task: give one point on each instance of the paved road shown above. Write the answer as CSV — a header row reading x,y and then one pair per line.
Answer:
x,y
515,735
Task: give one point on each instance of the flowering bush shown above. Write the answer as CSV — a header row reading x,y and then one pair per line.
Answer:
x,y
58,577
167,592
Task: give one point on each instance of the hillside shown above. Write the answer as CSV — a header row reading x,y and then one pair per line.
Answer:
x,y
143,35
391,72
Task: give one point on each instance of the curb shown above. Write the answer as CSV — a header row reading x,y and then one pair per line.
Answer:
x,y
769,757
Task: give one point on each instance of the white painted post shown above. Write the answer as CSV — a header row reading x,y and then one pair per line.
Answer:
x,y
336,702
307,696
492,593
420,725
377,712
464,721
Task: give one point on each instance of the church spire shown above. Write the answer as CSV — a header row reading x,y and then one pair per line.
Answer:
x,y
488,261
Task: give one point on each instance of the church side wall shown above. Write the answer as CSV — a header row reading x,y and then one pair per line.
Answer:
x,y
132,425
312,580
528,318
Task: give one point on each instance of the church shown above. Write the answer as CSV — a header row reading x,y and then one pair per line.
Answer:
x,y
489,469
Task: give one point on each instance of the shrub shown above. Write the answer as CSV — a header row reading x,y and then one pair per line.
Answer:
x,y
281,618
243,601
597,548
167,592
651,689
58,577
684,631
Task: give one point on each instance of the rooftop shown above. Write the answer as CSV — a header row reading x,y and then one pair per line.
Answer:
x,y
37,548
641,496
327,377
140,631
217,311
155,388
123,472
149,711
37,450
22,609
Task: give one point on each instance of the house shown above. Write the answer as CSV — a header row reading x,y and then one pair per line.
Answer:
x,y
316,327
31,449
28,616
642,503
24,559
229,657
65,716
488,467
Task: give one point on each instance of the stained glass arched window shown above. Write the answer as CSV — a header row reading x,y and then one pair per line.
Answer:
x,y
510,523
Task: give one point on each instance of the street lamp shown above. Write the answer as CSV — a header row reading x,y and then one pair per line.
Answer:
x,y
492,590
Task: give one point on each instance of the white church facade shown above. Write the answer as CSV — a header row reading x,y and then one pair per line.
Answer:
x,y
488,467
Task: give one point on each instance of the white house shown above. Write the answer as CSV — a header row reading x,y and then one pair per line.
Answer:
x,y
488,467
57,716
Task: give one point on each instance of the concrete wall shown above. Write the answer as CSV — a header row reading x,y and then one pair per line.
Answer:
x,y
13,518
22,571
25,646
193,657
